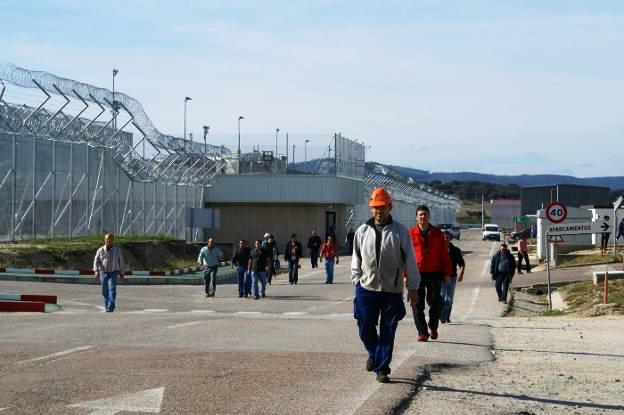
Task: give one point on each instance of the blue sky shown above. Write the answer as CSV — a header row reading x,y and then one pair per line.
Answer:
x,y
505,87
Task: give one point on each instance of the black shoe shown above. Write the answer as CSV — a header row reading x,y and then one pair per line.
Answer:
x,y
442,319
370,364
263,295
207,295
256,297
448,319
240,295
108,310
382,378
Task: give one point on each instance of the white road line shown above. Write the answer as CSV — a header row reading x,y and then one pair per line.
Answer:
x,y
58,354
474,297
248,312
155,310
295,313
202,311
175,326
99,307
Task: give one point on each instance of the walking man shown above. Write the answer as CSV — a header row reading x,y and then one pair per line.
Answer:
x,y
208,258
329,253
271,247
292,253
502,268
314,245
620,231
434,265
258,268
241,261
523,253
604,239
448,289
382,254
108,265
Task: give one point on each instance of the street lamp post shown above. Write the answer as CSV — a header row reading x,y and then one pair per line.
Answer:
x,y
238,151
206,128
115,72
275,156
186,99
305,155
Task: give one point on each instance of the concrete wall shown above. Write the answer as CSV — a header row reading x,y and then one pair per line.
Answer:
x,y
251,221
503,214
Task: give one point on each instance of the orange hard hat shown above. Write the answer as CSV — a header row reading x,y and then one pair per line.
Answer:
x,y
379,197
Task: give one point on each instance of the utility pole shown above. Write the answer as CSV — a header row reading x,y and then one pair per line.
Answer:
x,y
482,214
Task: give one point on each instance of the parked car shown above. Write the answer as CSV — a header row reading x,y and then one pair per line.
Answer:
x,y
453,228
516,236
456,231
491,231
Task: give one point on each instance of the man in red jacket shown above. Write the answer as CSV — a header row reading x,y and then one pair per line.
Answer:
x,y
435,267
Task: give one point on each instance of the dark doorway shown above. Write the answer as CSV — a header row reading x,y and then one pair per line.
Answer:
x,y
330,224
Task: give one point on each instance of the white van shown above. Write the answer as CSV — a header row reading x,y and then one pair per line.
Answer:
x,y
491,231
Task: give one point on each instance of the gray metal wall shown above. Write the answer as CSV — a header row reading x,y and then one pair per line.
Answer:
x,y
534,198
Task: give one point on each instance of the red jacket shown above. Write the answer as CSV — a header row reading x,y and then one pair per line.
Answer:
x,y
431,253
329,251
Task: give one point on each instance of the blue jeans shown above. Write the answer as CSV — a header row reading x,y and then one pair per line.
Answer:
x,y
329,270
243,280
210,279
368,307
109,288
448,292
502,285
314,255
255,276
293,271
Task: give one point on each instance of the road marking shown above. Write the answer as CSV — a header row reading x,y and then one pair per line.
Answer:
x,y
295,313
474,297
58,354
99,307
155,310
175,326
248,312
149,401
202,311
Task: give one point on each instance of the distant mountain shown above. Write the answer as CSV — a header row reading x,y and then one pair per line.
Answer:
x,y
612,182
326,166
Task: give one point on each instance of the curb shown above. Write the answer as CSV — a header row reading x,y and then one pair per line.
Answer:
x,y
70,272
90,279
17,303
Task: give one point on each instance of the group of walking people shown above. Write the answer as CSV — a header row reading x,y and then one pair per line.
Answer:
x,y
387,258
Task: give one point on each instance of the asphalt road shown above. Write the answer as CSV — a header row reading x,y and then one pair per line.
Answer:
x,y
169,349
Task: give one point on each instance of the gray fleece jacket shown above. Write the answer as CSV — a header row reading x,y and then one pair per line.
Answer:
x,y
380,257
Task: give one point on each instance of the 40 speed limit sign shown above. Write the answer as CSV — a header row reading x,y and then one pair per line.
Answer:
x,y
556,212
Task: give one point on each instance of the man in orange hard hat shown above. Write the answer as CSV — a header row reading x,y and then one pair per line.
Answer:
x,y
382,253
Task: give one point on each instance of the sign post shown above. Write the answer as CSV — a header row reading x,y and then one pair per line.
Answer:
x,y
556,212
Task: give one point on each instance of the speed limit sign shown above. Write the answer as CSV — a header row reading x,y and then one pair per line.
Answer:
x,y
556,212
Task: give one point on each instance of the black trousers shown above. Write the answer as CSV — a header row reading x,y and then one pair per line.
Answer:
x,y
524,255
429,289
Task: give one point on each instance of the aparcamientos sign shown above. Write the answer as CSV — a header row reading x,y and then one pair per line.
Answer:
x,y
578,228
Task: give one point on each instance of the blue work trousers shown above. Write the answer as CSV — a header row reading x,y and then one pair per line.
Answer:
x,y
371,308
108,280
262,278
329,270
448,292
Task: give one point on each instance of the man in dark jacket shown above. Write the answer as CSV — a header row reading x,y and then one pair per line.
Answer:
x,y
434,265
314,245
292,253
502,269
241,261
349,240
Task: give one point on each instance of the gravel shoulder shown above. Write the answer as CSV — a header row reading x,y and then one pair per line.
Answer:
x,y
543,365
